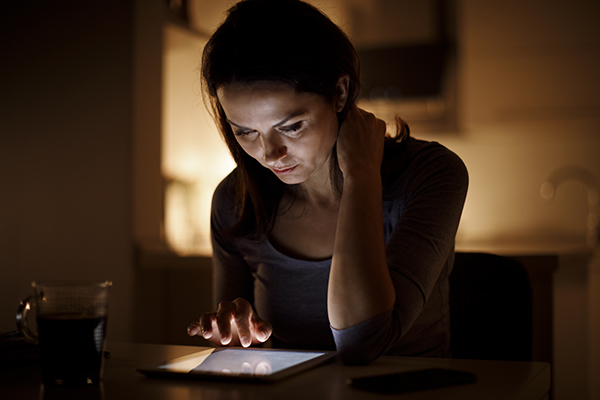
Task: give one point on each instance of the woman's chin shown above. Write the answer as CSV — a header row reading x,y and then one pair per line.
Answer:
x,y
290,180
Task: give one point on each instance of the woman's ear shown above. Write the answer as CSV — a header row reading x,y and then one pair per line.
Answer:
x,y
341,89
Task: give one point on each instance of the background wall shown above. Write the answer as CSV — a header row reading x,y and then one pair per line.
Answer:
x,y
65,150
528,105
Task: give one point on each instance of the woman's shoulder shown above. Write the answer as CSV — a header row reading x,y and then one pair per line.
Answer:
x,y
226,188
412,149
416,159
224,203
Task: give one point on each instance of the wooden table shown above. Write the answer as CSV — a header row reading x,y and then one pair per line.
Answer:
x,y
496,380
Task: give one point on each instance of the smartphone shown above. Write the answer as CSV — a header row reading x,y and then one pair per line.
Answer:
x,y
412,380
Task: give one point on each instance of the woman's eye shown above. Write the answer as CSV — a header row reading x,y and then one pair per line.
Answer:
x,y
238,132
291,128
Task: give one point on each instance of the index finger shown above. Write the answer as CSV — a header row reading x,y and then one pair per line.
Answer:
x,y
242,318
225,317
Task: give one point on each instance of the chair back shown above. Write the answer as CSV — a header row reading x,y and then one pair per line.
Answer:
x,y
490,308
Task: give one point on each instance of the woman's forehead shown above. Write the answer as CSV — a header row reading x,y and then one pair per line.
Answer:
x,y
245,103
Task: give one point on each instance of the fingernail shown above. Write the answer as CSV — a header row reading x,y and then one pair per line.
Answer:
x,y
244,341
264,335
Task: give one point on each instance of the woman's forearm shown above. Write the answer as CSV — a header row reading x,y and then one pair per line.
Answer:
x,y
360,286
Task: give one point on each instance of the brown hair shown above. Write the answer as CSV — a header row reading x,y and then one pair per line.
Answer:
x,y
285,41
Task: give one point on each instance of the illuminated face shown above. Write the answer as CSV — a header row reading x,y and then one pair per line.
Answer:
x,y
290,133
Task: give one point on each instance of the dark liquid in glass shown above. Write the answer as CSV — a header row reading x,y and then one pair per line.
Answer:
x,y
71,348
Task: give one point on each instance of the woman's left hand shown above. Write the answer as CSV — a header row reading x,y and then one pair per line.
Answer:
x,y
360,143
360,286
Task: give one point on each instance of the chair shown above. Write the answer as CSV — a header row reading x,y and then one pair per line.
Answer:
x,y
490,308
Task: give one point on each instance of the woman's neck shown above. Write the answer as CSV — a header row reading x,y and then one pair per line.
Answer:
x,y
318,190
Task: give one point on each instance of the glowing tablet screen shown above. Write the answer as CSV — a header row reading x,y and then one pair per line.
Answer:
x,y
240,362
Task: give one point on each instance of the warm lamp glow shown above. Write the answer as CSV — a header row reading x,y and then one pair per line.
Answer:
x,y
194,158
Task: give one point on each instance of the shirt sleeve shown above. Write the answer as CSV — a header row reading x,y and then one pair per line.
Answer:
x,y
232,277
422,239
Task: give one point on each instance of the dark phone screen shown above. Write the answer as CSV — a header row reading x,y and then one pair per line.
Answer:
x,y
412,380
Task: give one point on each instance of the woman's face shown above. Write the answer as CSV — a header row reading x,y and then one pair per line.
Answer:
x,y
290,133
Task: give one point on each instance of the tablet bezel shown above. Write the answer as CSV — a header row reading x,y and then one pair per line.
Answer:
x,y
159,370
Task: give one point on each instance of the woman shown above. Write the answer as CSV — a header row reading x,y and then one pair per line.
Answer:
x,y
300,252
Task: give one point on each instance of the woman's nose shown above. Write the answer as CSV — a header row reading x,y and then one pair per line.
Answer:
x,y
273,148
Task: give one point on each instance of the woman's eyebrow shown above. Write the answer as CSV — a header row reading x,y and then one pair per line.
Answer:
x,y
239,126
294,115
282,122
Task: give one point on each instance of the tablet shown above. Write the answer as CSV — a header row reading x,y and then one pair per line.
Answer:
x,y
239,364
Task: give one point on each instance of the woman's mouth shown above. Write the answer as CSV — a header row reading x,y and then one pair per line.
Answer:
x,y
284,171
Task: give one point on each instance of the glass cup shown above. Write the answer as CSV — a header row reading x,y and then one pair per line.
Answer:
x,y
71,329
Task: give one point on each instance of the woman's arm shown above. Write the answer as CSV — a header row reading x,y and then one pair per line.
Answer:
x,y
233,321
421,220
360,286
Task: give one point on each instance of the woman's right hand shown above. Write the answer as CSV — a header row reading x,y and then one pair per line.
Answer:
x,y
234,323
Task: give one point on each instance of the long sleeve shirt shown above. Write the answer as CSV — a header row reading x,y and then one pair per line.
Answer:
x,y
424,189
